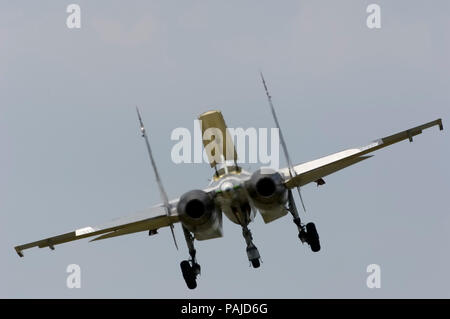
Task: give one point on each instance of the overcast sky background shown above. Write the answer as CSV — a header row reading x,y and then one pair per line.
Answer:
x,y
71,154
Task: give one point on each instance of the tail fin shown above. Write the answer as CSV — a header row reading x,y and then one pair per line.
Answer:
x,y
292,172
162,191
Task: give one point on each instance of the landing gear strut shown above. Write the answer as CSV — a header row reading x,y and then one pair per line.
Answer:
x,y
190,268
252,251
306,233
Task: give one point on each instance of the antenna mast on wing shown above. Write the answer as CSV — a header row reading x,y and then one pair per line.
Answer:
x,y
292,172
162,192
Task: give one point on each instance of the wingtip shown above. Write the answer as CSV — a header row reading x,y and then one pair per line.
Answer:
x,y
19,252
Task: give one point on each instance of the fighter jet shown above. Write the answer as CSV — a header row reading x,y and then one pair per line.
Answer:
x,y
233,192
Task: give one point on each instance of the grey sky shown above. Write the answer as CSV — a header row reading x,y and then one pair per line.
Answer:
x,y
72,155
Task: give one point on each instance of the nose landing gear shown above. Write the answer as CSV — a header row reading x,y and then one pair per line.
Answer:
x,y
252,251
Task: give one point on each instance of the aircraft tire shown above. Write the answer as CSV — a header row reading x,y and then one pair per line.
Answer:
x,y
255,263
188,274
313,237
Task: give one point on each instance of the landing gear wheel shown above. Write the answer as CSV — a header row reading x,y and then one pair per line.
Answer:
x,y
312,237
253,255
188,274
255,263
196,269
303,236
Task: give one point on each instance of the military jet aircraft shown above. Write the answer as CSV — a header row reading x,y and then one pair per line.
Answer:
x,y
234,192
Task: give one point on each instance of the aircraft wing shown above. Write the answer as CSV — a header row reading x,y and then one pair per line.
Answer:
x,y
150,219
314,170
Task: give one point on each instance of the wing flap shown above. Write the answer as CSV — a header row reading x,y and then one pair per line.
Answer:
x,y
322,171
149,219
311,171
156,223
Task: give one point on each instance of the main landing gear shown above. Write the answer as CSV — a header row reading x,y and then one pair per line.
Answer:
x,y
309,235
306,233
190,268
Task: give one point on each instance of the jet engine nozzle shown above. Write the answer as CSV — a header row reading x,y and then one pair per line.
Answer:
x,y
199,215
267,190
